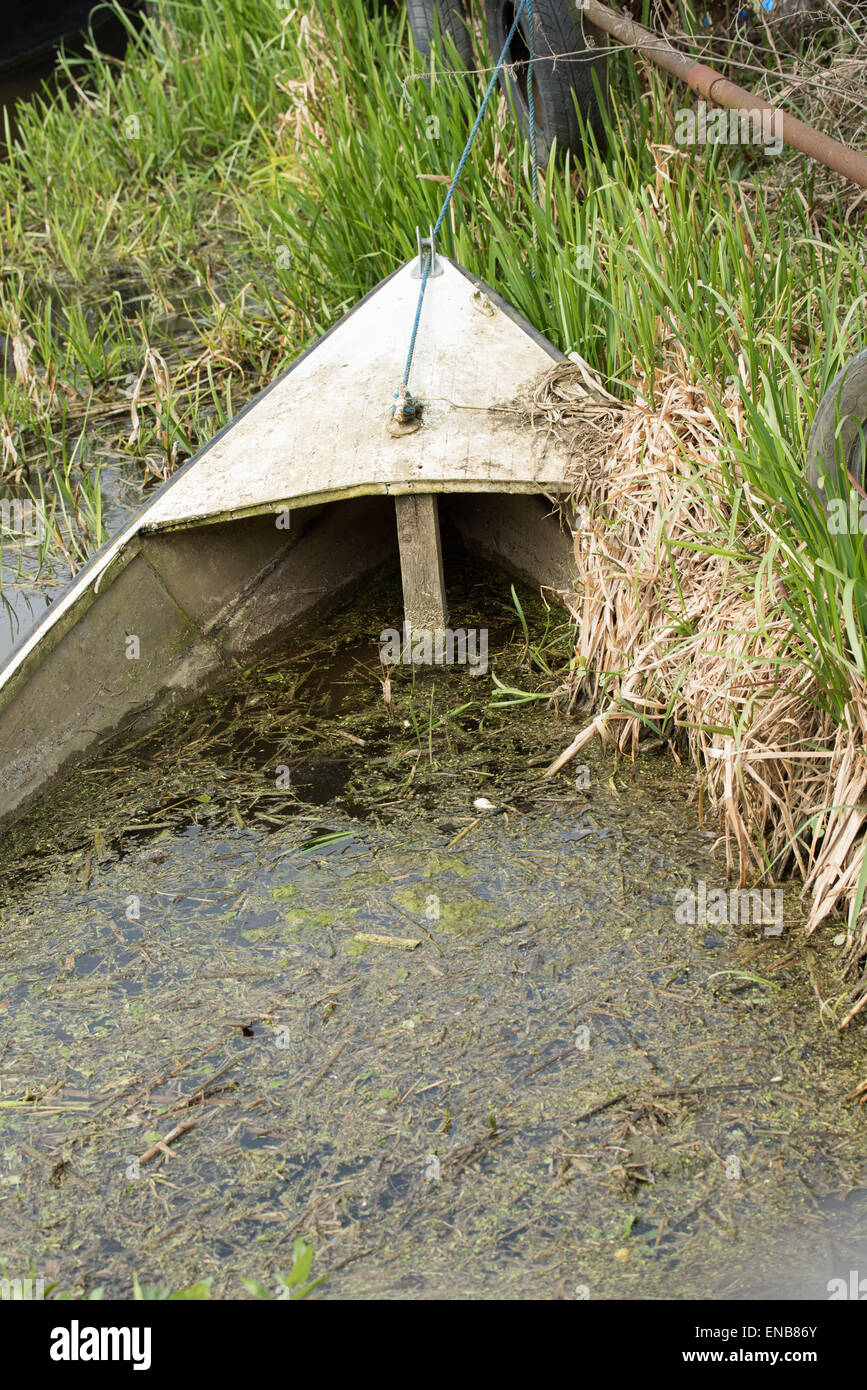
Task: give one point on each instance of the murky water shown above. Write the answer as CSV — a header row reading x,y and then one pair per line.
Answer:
x,y
540,1085
29,579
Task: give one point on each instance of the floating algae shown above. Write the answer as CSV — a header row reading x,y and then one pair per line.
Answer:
x,y
561,1091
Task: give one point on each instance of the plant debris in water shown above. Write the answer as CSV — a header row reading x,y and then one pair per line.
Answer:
x,y
270,973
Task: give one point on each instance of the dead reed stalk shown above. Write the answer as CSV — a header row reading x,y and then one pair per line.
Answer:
x,y
680,630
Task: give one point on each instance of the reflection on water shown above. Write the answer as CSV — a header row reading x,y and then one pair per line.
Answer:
x,y
824,1256
28,583
20,611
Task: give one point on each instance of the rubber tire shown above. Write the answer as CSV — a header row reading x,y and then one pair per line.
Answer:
x,y
557,30
452,25
840,419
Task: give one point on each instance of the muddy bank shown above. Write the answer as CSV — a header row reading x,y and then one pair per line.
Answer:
x,y
558,1091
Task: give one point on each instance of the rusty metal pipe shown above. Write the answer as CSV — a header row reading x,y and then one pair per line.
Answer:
x,y
715,88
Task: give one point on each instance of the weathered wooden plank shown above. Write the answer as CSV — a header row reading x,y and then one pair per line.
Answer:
x,y
421,563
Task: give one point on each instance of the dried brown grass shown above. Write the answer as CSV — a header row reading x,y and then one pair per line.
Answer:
x,y
679,627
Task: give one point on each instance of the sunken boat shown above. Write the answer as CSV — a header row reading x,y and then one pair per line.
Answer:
x,y
305,495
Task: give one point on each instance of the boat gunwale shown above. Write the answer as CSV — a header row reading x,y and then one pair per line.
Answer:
x,y
68,603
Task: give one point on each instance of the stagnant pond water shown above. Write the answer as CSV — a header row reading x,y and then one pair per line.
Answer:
x,y
559,1091
31,575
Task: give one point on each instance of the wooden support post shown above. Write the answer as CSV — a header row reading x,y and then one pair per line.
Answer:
x,y
421,563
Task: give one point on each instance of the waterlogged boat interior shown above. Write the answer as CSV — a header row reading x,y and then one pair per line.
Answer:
x,y
303,497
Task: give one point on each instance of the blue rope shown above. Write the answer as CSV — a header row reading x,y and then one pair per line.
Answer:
x,y
534,155
410,403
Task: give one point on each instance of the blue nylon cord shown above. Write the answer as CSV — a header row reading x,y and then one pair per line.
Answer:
x,y
531,102
461,164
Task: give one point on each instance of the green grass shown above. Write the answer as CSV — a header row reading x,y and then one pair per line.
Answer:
x,y
631,267
165,204
119,234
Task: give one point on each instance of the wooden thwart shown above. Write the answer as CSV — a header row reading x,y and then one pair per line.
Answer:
x,y
421,563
